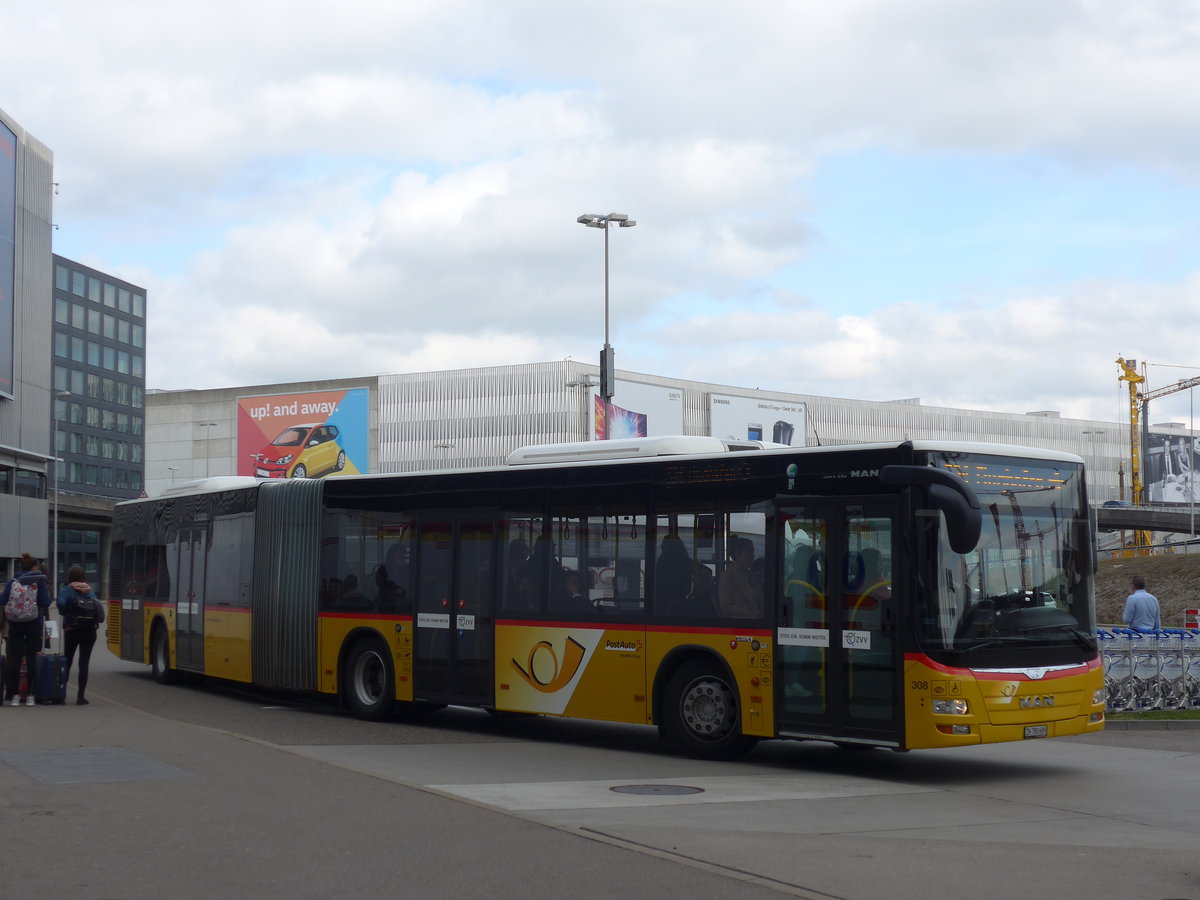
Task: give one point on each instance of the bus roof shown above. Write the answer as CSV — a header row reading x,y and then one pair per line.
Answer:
x,y
208,485
634,449
698,445
630,448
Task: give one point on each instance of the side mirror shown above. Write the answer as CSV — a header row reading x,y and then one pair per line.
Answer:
x,y
948,494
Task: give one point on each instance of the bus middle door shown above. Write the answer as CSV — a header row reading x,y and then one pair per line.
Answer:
x,y
454,617
189,598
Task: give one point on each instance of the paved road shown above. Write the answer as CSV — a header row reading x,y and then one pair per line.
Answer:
x,y
199,791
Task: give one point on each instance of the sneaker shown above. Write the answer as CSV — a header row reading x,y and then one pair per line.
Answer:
x,y
29,701
16,701
81,702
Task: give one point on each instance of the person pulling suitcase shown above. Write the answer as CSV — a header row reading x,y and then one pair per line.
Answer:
x,y
25,600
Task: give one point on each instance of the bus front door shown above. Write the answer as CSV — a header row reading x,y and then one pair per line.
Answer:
x,y
455,631
838,661
189,599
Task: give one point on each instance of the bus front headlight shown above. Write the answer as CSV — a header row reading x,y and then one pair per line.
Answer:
x,y
950,707
1098,697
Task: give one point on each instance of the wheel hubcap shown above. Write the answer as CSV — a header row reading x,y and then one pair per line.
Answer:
x,y
707,708
368,678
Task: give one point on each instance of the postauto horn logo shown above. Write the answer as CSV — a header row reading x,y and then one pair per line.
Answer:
x,y
542,670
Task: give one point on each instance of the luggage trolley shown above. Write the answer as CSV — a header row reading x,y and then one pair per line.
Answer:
x,y
1191,656
1118,669
1147,680
1173,668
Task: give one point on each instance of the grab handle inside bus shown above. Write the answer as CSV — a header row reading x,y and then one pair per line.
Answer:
x,y
947,493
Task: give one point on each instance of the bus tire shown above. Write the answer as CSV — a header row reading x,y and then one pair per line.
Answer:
x,y
370,687
701,717
160,655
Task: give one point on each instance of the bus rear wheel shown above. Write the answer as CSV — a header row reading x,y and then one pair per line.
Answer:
x,y
160,655
369,683
701,713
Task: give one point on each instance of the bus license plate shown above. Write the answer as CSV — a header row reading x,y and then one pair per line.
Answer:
x,y
1036,731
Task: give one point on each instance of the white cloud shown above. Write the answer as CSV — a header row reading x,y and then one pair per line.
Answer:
x,y
311,191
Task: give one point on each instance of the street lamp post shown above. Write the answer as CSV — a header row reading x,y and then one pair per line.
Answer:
x,y
58,395
206,425
1093,460
607,366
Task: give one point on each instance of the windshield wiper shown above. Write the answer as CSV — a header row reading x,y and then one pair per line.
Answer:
x,y
979,646
1081,637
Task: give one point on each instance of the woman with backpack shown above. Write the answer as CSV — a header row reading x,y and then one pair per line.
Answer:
x,y
82,614
25,600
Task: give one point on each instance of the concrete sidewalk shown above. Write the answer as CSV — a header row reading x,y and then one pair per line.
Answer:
x,y
102,801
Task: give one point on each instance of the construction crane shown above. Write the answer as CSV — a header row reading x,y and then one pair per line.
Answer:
x,y
1139,401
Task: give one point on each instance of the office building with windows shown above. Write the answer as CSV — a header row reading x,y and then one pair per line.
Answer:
x,y
99,381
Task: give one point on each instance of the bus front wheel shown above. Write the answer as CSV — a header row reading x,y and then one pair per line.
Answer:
x,y
160,656
701,713
370,688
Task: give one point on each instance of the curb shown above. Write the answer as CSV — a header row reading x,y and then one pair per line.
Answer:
x,y
1151,725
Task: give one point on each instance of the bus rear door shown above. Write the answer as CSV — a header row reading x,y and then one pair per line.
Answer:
x,y
455,625
838,658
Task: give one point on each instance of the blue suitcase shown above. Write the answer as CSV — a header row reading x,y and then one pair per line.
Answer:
x,y
50,678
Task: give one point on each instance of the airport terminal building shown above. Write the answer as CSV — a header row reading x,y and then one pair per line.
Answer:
x,y
468,418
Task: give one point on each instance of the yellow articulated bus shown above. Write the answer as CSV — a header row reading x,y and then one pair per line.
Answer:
x,y
913,595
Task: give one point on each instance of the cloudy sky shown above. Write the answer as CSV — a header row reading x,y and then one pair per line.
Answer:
x,y
978,204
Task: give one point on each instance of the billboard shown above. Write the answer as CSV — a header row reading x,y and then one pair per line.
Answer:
x,y
637,410
8,253
1169,462
303,435
754,419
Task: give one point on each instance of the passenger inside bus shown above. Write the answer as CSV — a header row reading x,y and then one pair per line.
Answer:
x,y
704,593
517,596
672,578
389,596
739,592
351,598
545,570
574,600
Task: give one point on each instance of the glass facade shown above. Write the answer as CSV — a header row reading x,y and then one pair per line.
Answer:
x,y
99,359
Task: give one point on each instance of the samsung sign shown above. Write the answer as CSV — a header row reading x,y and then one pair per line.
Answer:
x,y
8,254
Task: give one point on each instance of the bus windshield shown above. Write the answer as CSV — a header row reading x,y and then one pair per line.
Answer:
x,y
1022,597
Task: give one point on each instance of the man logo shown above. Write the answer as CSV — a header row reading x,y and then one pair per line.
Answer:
x,y
1036,702
542,671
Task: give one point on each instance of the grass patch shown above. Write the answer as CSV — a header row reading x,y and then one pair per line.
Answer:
x,y
1156,715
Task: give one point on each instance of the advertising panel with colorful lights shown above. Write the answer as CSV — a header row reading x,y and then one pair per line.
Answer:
x,y
637,410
